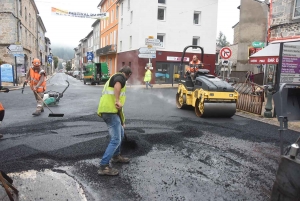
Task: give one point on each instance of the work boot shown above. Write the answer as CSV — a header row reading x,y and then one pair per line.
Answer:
x,y
42,110
1,136
106,170
120,159
36,113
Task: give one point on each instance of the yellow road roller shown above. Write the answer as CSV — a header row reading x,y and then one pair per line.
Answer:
x,y
209,95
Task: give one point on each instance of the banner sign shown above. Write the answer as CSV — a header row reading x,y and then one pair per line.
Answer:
x,y
60,12
290,69
6,73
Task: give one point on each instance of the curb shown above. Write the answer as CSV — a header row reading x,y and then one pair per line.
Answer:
x,y
295,126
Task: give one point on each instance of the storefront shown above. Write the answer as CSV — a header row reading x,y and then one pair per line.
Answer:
x,y
166,66
270,57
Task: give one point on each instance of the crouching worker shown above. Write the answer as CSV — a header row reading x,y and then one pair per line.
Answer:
x,y
111,110
37,77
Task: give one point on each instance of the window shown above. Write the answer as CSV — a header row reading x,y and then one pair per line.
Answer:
x,y
162,1
197,17
123,64
20,7
129,64
26,37
161,13
120,45
29,20
196,41
121,9
115,37
130,42
296,9
117,12
122,23
161,37
112,16
25,14
128,4
131,16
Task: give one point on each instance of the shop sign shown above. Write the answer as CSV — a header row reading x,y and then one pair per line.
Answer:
x,y
185,59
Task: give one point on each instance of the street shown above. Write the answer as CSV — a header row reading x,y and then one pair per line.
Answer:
x,y
179,156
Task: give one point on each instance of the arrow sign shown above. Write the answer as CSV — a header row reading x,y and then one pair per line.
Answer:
x,y
154,42
145,50
15,48
225,53
148,56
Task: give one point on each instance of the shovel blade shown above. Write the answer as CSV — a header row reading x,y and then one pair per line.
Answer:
x,y
56,115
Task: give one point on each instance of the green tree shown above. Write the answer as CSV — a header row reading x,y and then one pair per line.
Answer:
x,y
55,62
222,40
68,66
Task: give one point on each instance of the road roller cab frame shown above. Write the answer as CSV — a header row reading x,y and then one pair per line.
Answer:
x,y
209,95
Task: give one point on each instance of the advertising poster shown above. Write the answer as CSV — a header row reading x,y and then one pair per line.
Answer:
x,y
6,73
290,70
60,12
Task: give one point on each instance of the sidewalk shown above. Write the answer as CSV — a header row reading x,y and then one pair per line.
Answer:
x,y
295,126
11,86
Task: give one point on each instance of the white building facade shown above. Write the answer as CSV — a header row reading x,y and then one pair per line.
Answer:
x,y
176,23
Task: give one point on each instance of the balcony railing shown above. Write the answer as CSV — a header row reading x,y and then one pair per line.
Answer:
x,y
109,49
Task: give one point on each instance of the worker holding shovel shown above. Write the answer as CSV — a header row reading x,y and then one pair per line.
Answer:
x,y
111,110
37,77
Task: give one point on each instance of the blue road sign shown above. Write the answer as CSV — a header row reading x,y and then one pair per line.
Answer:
x,y
90,56
49,59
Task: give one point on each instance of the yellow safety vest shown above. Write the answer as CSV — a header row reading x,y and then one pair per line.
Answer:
x,y
148,75
107,100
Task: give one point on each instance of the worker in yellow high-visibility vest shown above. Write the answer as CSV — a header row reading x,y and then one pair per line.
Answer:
x,y
147,78
111,110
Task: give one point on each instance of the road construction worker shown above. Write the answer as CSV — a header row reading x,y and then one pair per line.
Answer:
x,y
110,108
147,78
2,112
37,77
194,65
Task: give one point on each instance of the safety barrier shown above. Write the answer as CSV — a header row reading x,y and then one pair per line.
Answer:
x,y
251,97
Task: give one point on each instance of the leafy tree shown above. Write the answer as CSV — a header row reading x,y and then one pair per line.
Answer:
x,y
55,62
68,66
222,40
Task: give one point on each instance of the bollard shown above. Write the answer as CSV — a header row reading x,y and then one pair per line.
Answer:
x,y
268,108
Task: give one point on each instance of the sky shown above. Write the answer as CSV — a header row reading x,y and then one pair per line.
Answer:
x,y
68,31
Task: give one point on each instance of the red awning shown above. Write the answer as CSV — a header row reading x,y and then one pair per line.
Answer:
x,y
268,55
264,60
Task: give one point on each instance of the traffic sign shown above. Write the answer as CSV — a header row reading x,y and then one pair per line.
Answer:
x,y
225,53
145,50
257,44
148,56
15,48
90,56
154,42
49,59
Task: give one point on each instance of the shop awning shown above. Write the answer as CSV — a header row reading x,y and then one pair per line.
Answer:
x,y
268,55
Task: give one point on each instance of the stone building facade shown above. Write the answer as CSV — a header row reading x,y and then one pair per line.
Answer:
x,y
19,25
284,20
251,27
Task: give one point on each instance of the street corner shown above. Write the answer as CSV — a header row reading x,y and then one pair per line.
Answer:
x,y
45,185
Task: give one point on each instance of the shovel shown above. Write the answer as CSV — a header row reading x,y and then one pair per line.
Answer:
x,y
129,143
52,114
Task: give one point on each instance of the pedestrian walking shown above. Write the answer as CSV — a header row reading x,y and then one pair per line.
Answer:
x,y
147,78
37,77
110,108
